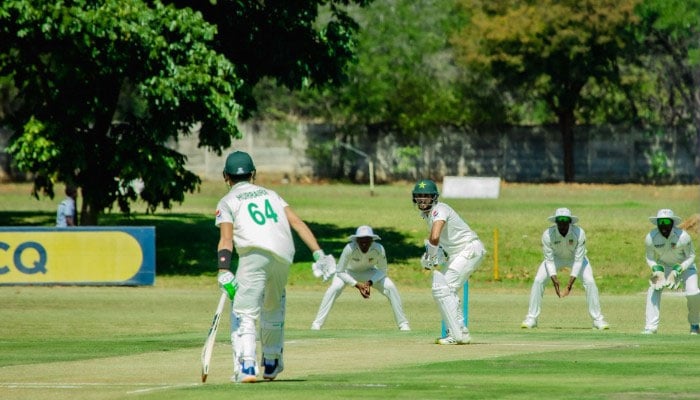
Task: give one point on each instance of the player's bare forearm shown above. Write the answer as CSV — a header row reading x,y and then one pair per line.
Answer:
x,y
555,282
302,230
225,237
569,286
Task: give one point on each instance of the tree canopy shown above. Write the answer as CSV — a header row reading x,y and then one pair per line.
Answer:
x,y
547,50
103,86
669,34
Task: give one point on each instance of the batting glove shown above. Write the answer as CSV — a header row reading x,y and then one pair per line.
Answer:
x,y
228,283
657,281
434,256
324,266
674,278
427,262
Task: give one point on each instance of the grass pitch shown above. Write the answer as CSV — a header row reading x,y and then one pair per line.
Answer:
x,y
144,343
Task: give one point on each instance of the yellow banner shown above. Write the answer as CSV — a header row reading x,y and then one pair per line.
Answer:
x,y
75,256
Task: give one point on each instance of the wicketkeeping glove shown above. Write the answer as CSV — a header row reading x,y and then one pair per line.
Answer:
x,y
674,278
657,281
228,283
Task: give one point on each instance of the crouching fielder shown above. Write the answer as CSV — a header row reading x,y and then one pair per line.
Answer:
x,y
463,252
363,265
671,257
564,245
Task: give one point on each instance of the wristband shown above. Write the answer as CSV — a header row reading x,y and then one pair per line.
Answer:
x,y
657,268
318,254
678,269
431,249
224,257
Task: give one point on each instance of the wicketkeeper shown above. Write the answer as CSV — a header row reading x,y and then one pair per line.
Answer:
x,y
564,245
362,265
671,257
453,252
256,221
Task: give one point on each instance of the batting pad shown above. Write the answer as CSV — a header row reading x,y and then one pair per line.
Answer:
x,y
462,187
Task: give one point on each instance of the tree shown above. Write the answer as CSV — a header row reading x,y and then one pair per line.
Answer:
x,y
295,43
103,86
547,50
669,33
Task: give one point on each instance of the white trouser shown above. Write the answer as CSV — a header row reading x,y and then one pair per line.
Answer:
x,y
385,286
585,275
448,282
261,295
692,295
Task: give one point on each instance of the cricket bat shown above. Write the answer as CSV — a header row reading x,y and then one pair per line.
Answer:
x,y
208,348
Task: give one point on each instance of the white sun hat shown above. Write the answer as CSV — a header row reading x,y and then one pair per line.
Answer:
x,y
364,231
563,212
665,213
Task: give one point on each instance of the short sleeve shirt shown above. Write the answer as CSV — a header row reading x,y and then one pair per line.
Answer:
x,y
259,220
65,209
456,234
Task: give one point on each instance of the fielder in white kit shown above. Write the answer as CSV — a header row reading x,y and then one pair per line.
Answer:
x,y
670,255
564,245
362,265
453,253
257,222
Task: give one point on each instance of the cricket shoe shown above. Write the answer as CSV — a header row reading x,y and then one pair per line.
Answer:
x,y
246,374
450,340
466,337
315,327
271,368
404,327
529,323
649,331
695,329
600,325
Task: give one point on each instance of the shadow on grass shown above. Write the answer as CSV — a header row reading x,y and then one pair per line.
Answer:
x,y
186,243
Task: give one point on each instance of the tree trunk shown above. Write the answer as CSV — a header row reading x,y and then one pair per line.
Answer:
x,y
696,120
89,212
566,127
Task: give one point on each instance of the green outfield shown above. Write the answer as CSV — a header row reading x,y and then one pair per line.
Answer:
x,y
145,342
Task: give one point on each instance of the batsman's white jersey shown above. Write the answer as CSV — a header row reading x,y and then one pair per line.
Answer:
x,y
259,219
457,235
677,249
354,266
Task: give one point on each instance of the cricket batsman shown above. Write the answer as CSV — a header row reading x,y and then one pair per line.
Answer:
x,y
453,252
256,221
